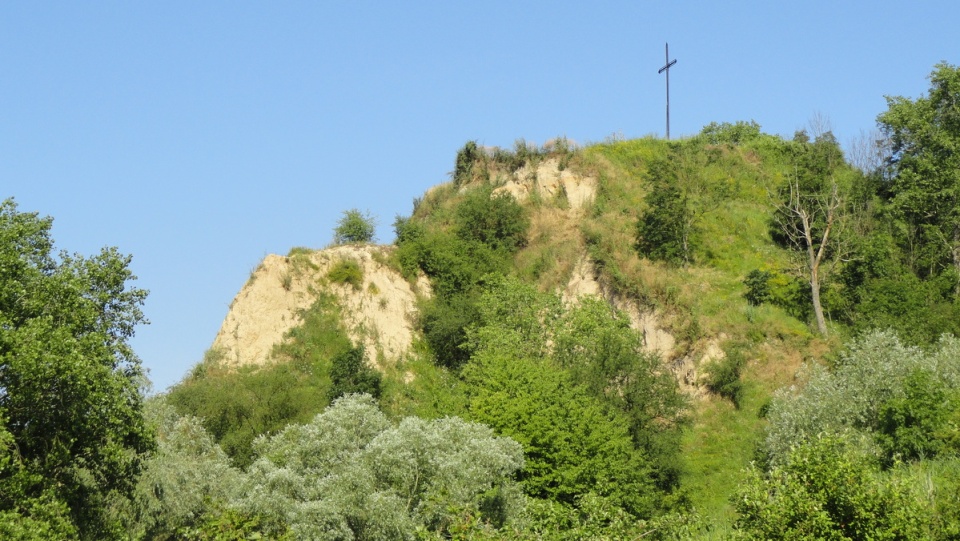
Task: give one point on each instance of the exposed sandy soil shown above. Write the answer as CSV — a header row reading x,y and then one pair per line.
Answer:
x,y
548,180
378,314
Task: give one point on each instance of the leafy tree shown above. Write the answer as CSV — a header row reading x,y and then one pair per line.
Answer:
x,y
574,387
826,490
598,346
874,391
70,384
669,227
663,230
351,474
925,171
185,481
355,227
573,444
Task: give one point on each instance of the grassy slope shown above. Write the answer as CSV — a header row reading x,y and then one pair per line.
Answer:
x,y
704,301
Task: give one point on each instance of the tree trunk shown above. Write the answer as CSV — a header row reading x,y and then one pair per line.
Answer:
x,y
815,293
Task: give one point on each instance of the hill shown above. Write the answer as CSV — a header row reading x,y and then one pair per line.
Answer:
x,y
497,276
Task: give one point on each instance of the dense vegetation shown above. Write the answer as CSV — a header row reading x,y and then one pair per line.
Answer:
x,y
813,390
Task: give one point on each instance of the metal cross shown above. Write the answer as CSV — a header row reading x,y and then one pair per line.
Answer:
x,y
666,68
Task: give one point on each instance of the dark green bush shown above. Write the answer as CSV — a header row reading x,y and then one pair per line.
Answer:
x,y
444,321
723,375
915,426
467,158
758,286
496,220
349,373
664,230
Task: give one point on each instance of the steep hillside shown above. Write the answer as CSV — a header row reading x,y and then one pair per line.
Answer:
x,y
567,222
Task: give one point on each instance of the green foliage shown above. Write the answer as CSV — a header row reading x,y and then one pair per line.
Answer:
x,y
661,230
758,286
351,474
355,227
496,220
779,289
237,405
602,352
70,384
826,490
444,322
467,157
874,391
917,424
346,271
925,169
574,387
723,375
185,481
572,443
349,373
732,134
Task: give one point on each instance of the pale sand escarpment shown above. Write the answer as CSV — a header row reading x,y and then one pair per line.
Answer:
x,y
378,314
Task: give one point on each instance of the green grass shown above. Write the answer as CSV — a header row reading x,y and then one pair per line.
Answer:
x,y
718,449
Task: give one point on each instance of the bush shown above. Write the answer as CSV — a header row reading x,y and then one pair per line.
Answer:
x,y
346,271
665,231
826,490
467,157
349,373
758,287
496,220
355,227
723,375
876,390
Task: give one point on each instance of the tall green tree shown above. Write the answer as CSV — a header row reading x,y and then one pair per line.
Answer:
x,y
70,384
925,170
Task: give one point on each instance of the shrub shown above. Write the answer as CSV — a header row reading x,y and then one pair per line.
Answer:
x,y
827,490
664,230
723,375
467,157
355,227
496,220
346,271
349,373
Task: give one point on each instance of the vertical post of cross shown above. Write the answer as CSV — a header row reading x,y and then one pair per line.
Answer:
x,y
666,68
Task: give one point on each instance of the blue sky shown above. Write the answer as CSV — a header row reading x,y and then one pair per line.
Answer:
x,y
201,136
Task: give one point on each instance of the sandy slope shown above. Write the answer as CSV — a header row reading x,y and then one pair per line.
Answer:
x,y
379,313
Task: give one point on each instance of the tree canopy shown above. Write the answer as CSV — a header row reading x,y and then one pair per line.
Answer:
x,y
70,384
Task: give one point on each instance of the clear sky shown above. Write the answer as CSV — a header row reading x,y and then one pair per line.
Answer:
x,y
201,136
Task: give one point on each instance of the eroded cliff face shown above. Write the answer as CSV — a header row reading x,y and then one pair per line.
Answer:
x,y
378,312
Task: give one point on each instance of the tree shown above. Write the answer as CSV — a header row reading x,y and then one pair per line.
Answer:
x,y
925,169
355,227
352,474
811,211
70,384
680,195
